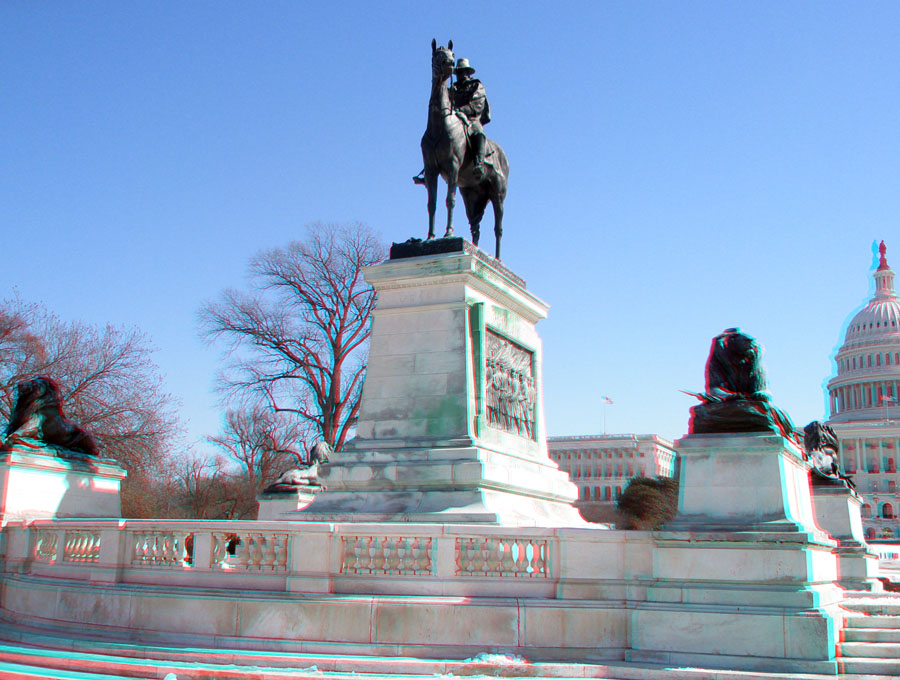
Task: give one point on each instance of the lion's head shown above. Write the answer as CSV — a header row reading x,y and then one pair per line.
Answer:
x,y
734,366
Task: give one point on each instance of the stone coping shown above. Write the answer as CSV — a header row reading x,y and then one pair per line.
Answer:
x,y
46,459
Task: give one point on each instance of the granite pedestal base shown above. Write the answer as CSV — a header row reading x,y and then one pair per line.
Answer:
x,y
38,484
282,505
451,420
743,482
745,566
469,485
837,511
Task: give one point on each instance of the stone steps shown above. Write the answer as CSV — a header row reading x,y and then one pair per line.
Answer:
x,y
875,650
870,644
13,671
39,653
874,634
874,621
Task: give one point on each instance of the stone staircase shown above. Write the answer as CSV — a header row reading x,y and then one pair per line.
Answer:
x,y
870,641
869,648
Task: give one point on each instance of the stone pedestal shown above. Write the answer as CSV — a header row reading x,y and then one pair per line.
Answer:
x,y
750,575
281,506
451,424
837,511
37,484
743,482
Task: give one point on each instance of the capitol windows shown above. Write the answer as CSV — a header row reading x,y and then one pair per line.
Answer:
x,y
866,510
887,511
870,532
892,486
607,494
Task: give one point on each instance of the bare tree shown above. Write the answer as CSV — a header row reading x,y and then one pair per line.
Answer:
x,y
108,383
199,484
263,444
298,341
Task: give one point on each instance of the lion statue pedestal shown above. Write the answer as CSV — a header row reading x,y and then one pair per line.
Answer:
x,y
36,483
49,466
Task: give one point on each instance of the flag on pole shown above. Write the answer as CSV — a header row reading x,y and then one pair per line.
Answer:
x,y
606,400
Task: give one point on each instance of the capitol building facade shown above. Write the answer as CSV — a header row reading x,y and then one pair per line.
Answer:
x,y
603,464
864,400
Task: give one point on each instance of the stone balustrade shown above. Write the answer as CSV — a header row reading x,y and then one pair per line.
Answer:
x,y
324,557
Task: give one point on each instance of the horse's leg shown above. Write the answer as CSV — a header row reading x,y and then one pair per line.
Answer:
x,y
431,182
497,202
479,203
451,201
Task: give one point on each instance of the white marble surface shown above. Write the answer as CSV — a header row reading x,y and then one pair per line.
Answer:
x,y
281,506
425,450
36,485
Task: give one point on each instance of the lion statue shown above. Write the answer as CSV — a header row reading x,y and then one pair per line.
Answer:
x,y
304,476
734,369
821,446
37,419
736,399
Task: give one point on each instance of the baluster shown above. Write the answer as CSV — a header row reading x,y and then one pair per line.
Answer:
x,y
271,554
403,555
79,546
376,554
361,554
478,556
253,555
464,555
284,552
540,559
506,560
219,549
421,561
521,561
494,548
391,562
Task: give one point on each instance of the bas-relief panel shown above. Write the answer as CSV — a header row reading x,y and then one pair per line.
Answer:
x,y
510,386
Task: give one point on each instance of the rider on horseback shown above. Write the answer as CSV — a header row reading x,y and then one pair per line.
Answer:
x,y
470,103
471,106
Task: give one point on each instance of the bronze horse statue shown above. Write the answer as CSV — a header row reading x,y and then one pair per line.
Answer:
x,y
447,153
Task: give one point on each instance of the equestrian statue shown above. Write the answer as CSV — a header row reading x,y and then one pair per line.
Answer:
x,y
454,146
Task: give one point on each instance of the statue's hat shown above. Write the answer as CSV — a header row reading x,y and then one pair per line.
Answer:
x,y
462,66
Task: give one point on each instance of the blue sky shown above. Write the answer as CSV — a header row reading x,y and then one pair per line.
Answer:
x,y
676,169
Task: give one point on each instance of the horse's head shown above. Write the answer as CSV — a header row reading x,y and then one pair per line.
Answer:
x,y
441,60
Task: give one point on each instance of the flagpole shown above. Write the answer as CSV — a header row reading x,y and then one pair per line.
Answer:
x,y
604,402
